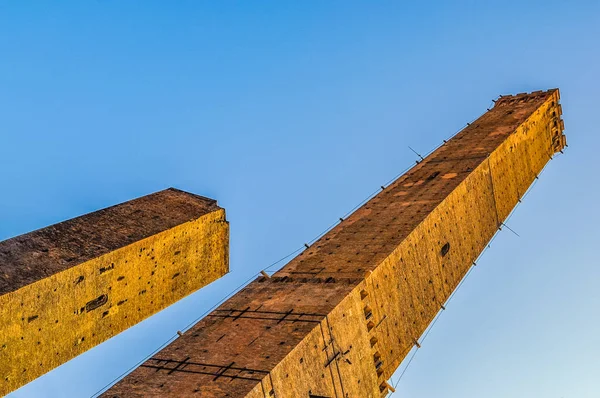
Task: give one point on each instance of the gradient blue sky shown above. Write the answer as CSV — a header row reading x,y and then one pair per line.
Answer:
x,y
289,113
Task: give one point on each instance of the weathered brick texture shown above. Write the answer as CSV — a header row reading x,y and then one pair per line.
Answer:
x,y
339,318
68,287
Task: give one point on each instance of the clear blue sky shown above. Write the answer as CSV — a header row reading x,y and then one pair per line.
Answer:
x,y
289,113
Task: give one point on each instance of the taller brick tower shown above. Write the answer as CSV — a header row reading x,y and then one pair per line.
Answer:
x,y
338,319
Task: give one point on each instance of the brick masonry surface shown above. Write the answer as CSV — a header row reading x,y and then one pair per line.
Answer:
x,y
70,286
338,319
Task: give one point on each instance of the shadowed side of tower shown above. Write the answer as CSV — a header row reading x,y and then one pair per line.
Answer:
x,y
70,286
338,319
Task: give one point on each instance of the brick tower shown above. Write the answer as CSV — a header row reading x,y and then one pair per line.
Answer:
x,y
70,286
338,319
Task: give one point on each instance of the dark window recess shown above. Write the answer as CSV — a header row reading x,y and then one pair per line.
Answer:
x,y
445,249
96,303
368,313
370,325
376,357
433,175
106,269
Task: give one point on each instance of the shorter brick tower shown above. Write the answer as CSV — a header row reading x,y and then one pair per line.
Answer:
x,y
68,287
